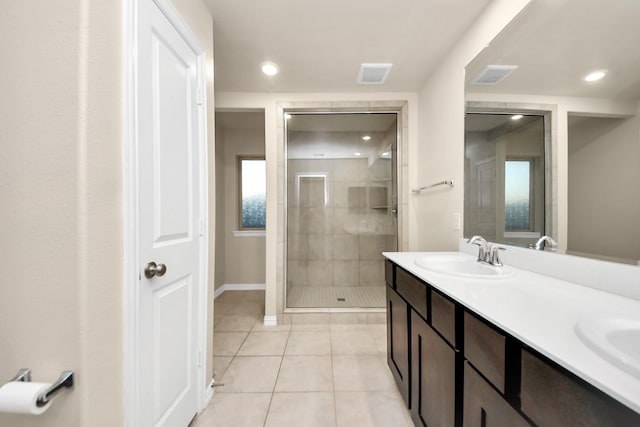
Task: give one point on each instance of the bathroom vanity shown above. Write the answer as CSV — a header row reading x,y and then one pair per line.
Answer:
x,y
484,349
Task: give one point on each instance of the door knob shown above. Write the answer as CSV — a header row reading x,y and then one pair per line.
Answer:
x,y
152,270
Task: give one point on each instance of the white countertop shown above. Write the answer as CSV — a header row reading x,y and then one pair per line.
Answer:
x,y
542,312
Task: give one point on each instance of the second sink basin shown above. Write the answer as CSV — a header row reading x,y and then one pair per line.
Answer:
x,y
615,339
461,265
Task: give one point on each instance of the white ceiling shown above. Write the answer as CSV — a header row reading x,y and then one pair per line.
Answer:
x,y
320,44
556,43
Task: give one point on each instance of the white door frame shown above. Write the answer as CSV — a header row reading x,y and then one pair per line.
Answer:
x,y
130,206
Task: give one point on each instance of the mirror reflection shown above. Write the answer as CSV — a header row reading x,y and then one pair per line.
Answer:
x,y
576,62
504,177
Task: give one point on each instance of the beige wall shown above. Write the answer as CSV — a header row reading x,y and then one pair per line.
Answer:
x,y
221,231
61,210
440,153
604,195
244,257
61,301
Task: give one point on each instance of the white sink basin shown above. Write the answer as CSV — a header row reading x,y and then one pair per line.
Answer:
x,y
615,339
460,265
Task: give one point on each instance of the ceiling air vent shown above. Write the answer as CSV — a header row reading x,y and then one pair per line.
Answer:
x,y
493,74
373,74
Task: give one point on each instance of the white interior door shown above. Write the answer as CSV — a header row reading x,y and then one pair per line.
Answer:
x,y
169,222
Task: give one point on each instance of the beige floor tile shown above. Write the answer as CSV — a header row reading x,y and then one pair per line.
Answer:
x,y
346,327
220,365
235,323
361,373
301,410
310,327
311,319
227,343
260,327
305,373
379,335
264,344
371,409
228,307
353,342
235,410
348,318
308,343
251,374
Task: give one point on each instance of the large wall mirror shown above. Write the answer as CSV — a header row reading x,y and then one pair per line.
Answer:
x,y
583,188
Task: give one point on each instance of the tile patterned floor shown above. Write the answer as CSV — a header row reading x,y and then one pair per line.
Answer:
x,y
336,296
332,375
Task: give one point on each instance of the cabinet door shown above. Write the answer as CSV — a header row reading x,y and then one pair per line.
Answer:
x,y
552,398
433,365
484,406
398,341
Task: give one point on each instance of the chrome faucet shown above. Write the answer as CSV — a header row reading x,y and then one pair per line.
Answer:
x,y
487,252
540,244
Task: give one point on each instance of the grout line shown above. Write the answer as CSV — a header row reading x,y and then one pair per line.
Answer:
x,y
277,377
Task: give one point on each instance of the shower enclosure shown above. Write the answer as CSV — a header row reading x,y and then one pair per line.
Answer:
x,y
341,208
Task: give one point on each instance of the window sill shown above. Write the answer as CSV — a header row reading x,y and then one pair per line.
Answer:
x,y
249,233
522,234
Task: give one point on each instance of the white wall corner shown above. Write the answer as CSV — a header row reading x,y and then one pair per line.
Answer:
x,y
208,394
270,321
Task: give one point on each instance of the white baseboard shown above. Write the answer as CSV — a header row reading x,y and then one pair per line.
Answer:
x,y
238,287
270,320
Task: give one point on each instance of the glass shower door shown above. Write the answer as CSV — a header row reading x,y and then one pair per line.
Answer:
x,y
341,208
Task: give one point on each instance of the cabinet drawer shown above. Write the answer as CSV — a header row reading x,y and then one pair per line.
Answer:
x,y
483,406
484,348
412,290
551,397
388,272
443,316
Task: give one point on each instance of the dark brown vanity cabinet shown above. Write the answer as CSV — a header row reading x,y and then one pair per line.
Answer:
x,y
428,379
552,397
484,406
455,368
433,376
397,336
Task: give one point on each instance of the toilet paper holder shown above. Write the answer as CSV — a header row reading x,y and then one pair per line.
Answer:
x,y
65,381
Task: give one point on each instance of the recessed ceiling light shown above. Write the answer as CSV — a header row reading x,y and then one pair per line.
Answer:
x,y
357,153
270,68
366,137
517,117
287,116
595,76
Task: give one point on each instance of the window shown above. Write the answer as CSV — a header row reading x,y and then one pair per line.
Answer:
x,y
517,195
252,193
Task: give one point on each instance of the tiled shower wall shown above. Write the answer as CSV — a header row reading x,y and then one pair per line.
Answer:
x,y
338,223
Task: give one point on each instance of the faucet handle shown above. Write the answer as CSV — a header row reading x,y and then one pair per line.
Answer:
x,y
494,251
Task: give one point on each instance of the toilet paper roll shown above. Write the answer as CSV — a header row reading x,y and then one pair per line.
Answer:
x,y
20,397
